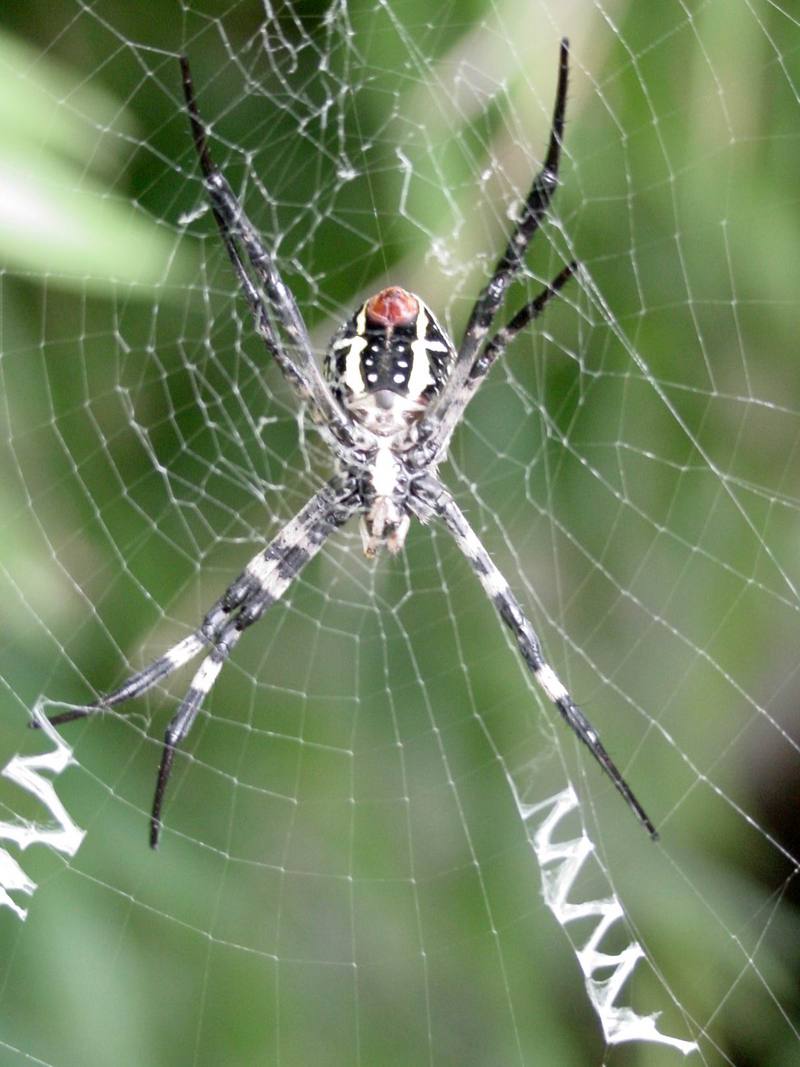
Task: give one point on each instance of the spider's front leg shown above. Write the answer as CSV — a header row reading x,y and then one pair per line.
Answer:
x,y
261,584
497,589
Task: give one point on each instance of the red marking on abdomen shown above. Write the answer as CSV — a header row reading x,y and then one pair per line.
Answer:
x,y
393,307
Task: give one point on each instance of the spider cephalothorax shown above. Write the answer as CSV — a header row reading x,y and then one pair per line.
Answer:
x,y
384,366
393,391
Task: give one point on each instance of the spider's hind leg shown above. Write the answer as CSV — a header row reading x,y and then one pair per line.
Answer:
x,y
472,364
299,368
530,218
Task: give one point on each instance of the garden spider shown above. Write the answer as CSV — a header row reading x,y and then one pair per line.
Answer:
x,y
393,390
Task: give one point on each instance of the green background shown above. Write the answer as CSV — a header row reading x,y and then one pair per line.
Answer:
x,y
344,877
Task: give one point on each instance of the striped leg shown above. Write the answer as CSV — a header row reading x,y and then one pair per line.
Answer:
x,y
497,589
138,683
263,581
541,193
451,412
441,419
304,375
255,575
506,334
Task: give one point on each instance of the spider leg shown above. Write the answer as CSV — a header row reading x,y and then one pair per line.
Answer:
x,y
492,351
439,422
541,193
138,683
506,334
303,376
496,588
181,722
264,581
142,681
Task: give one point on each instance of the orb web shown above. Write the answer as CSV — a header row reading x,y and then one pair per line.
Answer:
x,y
380,844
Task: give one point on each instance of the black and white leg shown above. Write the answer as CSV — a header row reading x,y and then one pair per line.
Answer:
x,y
496,588
262,584
264,581
443,416
302,372
497,346
506,334
541,193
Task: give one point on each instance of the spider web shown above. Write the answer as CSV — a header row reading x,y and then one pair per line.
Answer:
x,y
380,844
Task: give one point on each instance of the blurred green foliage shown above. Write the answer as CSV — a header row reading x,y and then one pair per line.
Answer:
x,y
344,877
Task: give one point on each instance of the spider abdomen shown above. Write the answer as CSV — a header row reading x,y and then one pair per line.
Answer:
x,y
388,361
383,368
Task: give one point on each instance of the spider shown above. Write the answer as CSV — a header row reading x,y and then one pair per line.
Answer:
x,y
393,389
